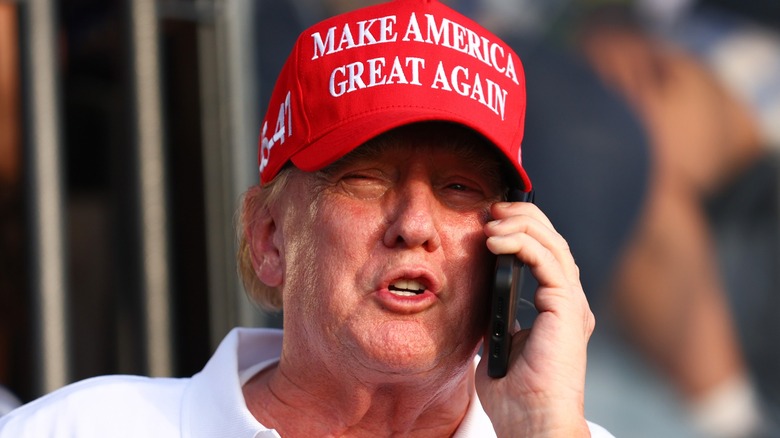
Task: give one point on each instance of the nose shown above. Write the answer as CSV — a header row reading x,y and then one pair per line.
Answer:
x,y
412,218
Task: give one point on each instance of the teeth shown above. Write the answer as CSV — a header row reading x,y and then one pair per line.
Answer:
x,y
403,293
407,287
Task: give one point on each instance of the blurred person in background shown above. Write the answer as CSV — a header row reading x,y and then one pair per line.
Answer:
x,y
711,109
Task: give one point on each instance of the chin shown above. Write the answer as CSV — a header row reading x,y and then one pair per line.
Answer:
x,y
405,349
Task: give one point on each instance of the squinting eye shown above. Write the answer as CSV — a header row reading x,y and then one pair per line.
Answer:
x,y
466,192
463,195
364,185
359,178
459,187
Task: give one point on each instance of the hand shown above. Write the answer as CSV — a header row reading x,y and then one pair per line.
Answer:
x,y
543,391
700,131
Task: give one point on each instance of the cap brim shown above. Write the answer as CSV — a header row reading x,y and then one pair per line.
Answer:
x,y
350,134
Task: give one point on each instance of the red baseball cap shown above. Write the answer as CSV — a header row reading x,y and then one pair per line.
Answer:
x,y
357,75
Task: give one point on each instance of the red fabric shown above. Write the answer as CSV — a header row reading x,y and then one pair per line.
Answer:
x,y
357,75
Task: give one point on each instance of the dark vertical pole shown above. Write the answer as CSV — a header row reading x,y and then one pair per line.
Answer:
x,y
48,267
152,187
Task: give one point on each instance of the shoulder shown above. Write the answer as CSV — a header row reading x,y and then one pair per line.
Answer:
x,y
101,406
597,431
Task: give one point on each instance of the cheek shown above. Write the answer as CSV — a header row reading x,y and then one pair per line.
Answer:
x,y
471,264
467,237
328,250
345,233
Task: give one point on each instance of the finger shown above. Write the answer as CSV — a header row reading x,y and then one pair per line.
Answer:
x,y
550,270
506,236
559,292
528,234
505,210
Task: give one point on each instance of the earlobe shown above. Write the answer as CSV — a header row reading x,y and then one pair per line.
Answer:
x,y
265,255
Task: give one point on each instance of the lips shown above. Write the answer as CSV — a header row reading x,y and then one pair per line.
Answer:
x,y
408,290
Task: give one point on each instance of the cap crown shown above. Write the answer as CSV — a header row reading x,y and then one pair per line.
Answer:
x,y
354,76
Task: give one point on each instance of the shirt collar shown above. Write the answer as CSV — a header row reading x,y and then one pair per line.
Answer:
x,y
213,404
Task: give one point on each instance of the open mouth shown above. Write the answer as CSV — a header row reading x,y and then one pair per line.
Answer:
x,y
406,288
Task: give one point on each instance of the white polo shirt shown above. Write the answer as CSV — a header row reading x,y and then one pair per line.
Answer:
x,y
210,404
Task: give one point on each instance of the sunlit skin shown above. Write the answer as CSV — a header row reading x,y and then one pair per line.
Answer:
x,y
413,214
384,264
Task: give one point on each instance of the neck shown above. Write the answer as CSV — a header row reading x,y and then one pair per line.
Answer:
x,y
323,404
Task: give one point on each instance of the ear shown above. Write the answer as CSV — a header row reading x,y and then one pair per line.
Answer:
x,y
260,231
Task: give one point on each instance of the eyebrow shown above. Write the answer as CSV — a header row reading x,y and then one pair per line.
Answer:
x,y
468,147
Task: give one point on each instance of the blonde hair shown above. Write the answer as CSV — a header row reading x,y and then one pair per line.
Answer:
x,y
256,199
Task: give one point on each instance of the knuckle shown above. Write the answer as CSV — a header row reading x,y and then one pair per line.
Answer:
x,y
590,323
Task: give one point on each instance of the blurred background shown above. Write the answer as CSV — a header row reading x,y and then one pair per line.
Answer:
x,y
128,132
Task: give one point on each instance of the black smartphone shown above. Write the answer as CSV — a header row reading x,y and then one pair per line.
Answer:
x,y
503,305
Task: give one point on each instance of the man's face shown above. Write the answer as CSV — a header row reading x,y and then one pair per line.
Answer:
x,y
384,256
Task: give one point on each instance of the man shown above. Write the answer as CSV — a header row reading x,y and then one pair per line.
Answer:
x,y
392,136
